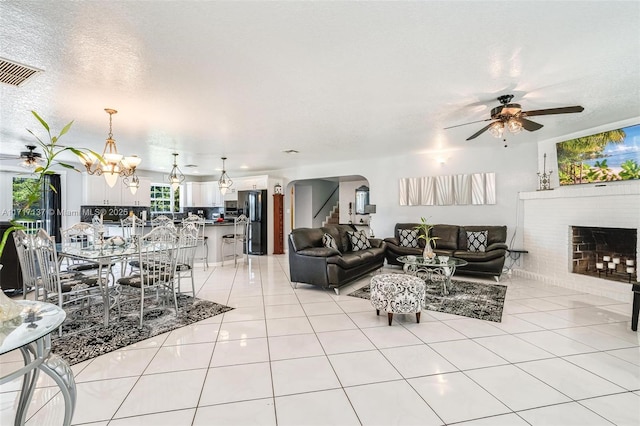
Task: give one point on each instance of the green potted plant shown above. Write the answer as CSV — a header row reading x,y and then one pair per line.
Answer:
x,y
51,151
425,234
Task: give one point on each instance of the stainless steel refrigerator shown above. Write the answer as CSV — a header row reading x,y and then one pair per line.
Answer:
x,y
253,204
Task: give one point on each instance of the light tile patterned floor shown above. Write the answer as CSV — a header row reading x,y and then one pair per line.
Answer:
x,y
307,356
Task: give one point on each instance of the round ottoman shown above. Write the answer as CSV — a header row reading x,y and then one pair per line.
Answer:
x,y
397,294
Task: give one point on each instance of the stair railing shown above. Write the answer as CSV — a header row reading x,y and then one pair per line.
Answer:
x,y
326,201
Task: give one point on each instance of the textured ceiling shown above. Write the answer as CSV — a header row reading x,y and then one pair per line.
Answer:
x,y
248,80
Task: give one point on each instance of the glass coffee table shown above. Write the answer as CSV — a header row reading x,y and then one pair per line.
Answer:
x,y
438,269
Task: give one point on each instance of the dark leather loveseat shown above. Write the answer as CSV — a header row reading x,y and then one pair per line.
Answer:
x,y
453,242
312,263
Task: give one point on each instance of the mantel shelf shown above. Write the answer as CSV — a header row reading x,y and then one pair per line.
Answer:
x,y
587,190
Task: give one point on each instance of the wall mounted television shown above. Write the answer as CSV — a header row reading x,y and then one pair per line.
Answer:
x,y
613,155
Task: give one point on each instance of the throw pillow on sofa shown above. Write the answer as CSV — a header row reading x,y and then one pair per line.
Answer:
x,y
329,242
359,240
477,241
408,238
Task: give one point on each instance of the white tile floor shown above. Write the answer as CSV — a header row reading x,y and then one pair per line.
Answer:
x,y
306,356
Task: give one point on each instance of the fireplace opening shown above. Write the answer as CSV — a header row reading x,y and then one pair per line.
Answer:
x,y
607,253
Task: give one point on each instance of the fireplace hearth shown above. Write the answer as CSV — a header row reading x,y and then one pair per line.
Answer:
x,y
607,253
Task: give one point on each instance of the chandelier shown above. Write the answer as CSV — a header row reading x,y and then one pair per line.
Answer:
x,y
112,164
176,177
225,182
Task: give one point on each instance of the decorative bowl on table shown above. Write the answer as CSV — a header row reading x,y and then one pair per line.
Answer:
x,y
443,259
116,241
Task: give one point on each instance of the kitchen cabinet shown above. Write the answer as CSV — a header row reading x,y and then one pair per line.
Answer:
x,y
98,193
251,183
231,195
203,194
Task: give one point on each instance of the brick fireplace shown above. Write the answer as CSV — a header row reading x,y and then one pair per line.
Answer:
x,y
548,219
607,253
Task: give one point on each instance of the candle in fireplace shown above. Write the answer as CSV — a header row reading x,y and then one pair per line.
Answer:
x,y
630,270
606,258
599,265
629,262
611,265
616,260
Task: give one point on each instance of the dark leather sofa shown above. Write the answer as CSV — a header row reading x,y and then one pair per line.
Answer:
x,y
312,263
453,242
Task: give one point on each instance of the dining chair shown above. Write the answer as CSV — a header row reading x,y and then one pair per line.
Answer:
x,y
186,255
70,291
162,221
157,255
132,226
82,236
202,239
240,230
27,260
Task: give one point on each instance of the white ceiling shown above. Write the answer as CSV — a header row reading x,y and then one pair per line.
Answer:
x,y
333,80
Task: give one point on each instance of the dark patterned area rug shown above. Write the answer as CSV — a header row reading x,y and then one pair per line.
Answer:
x,y
77,346
465,298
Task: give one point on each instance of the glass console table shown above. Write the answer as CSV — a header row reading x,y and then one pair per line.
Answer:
x,y
436,269
30,332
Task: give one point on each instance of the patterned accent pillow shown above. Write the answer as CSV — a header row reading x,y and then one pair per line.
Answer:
x,y
329,241
408,237
477,241
359,241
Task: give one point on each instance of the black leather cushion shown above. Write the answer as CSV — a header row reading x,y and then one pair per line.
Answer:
x,y
88,266
477,240
303,238
408,238
447,236
478,256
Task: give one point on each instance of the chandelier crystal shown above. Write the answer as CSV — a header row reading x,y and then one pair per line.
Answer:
x,y
112,163
176,177
225,182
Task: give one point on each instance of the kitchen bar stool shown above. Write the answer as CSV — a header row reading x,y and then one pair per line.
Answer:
x,y
240,225
198,222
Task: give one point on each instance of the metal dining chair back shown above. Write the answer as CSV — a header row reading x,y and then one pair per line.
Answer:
x,y
186,255
68,290
30,226
157,258
162,221
81,235
131,225
28,261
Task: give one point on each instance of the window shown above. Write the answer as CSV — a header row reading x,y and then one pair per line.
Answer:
x,y
164,200
22,190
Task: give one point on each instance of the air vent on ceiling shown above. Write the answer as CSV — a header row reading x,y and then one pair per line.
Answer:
x,y
190,166
14,73
291,151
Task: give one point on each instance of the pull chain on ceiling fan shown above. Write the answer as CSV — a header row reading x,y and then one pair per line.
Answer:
x,y
509,117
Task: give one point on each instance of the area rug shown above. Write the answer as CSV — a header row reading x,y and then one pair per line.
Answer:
x,y
77,346
465,298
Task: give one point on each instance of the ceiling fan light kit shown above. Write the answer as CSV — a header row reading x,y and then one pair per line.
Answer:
x,y
31,159
510,117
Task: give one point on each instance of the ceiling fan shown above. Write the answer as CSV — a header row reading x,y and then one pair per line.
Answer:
x,y
30,159
510,117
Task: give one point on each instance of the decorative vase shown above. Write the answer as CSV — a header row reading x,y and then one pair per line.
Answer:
x,y
428,253
8,308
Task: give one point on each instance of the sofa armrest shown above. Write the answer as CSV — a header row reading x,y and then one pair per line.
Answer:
x,y
496,246
318,252
376,242
392,240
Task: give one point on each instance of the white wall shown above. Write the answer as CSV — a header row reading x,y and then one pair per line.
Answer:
x,y
303,205
515,169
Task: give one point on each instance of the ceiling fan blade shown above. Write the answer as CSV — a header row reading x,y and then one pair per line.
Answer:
x,y
550,111
479,132
530,125
460,125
